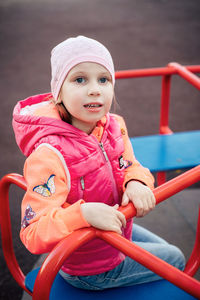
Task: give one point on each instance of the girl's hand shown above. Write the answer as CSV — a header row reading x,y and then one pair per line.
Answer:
x,y
141,196
103,216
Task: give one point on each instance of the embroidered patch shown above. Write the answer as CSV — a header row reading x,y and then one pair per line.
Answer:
x,y
46,189
124,164
28,215
123,132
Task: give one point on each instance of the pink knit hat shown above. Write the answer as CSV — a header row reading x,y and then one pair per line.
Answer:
x,y
73,51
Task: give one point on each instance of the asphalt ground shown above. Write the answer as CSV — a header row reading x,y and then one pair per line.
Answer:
x,y
139,34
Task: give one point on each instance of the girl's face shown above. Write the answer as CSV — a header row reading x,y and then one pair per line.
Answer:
x,y
87,94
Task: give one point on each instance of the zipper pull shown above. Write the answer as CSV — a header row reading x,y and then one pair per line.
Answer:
x,y
103,150
82,183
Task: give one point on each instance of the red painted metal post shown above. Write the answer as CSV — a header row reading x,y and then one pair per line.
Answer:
x,y
164,117
165,102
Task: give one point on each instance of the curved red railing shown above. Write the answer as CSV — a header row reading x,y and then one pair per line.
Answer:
x,y
5,224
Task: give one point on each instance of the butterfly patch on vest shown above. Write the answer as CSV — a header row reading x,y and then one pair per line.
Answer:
x,y
46,189
28,215
124,164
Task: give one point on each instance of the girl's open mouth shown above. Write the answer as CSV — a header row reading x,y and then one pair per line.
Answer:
x,y
92,105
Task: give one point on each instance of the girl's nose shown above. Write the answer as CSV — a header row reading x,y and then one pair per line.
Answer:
x,y
93,89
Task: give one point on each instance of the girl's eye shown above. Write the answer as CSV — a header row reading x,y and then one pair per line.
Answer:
x,y
103,80
80,80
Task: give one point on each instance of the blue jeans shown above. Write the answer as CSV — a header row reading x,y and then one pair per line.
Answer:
x,y
129,272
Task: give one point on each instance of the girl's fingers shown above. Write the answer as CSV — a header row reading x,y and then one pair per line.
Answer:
x,y
125,199
142,207
121,218
117,225
151,201
139,205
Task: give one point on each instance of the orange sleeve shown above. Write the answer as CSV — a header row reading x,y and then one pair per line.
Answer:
x,y
46,216
135,171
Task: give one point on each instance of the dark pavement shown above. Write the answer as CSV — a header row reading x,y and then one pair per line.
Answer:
x,y
139,34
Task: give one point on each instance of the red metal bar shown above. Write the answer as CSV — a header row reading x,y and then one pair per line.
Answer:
x,y
152,72
5,224
62,251
177,184
160,267
186,74
168,189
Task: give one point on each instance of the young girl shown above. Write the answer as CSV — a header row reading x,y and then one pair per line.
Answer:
x,y
81,167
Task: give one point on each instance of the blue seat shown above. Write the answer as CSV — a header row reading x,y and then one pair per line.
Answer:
x,y
157,290
168,152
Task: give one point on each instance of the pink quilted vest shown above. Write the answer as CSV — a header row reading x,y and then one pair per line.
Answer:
x,y
95,176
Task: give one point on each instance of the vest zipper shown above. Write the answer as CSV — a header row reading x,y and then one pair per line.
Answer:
x,y
115,190
103,150
82,183
81,188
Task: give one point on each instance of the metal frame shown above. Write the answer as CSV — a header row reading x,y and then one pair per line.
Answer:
x,y
173,68
63,249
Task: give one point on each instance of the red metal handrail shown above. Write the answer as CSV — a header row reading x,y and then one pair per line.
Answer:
x,y
149,72
186,74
